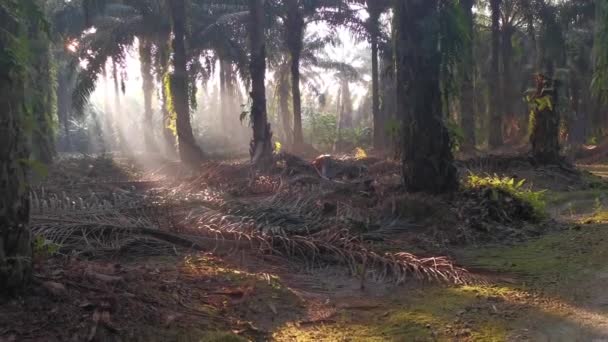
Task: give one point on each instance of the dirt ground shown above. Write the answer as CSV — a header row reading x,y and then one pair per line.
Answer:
x,y
138,250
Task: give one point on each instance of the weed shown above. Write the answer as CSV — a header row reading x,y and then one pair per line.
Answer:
x,y
516,189
44,248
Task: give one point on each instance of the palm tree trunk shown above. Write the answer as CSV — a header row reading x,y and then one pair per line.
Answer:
x,y
224,95
261,144
427,156
164,78
41,95
109,134
189,151
377,115
495,139
15,237
388,105
145,57
121,142
64,106
283,94
378,120
295,38
467,102
508,98
545,123
576,123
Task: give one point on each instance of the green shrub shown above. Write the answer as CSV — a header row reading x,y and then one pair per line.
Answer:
x,y
456,135
535,199
43,248
320,129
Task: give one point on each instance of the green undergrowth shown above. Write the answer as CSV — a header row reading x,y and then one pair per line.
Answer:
x,y
426,314
554,261
515,188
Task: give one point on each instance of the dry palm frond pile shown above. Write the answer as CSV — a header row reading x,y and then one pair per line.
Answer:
x,y
197,213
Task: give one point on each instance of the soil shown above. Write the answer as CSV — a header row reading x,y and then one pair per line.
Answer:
x,y
98,286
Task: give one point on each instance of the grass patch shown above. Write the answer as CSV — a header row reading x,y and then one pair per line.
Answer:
x,y
426,314
554,261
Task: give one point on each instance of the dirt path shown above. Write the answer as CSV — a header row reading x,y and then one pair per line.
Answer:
x,y
549,289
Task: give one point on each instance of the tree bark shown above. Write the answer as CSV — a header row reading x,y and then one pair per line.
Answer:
x,y
294,39
427,156
189,152
261,144
117,113
224,101
41,93
164,78
378,121
467,102
577,122
388,105
283,94
345,116
15,237
145,57
508,98
64,106
495,140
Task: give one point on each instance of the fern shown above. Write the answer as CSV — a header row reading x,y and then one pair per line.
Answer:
x,y
536,199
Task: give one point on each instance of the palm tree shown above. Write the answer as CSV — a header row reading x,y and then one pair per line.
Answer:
x,y
544,136
467,105
600,81
427,155
297,15
261,145
375,8
495,139
294,36
15,245
117,25
145,58
344,72
189,151
41,90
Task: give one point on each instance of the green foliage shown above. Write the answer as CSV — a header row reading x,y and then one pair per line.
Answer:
x,y
358,136
536,199
321,130
392,127
44,248
169,107
278,147
456,135
592,140
39,168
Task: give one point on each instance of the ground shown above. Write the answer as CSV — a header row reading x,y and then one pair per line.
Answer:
x,y
103,274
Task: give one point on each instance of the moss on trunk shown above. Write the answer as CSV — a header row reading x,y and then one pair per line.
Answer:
x,y
15,240
427,154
